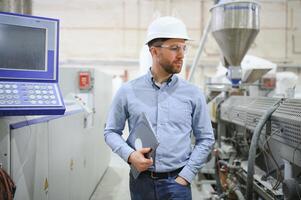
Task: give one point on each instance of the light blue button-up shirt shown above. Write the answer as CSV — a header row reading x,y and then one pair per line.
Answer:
x,y
175,109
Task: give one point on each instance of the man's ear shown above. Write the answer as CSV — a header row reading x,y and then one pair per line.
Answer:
x,y
153,51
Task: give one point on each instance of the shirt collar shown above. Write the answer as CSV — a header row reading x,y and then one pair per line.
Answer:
x,y
169,81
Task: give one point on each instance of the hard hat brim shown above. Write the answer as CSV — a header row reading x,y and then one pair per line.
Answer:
x,y
167,36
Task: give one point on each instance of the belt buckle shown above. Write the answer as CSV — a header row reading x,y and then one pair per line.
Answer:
x,y
152,175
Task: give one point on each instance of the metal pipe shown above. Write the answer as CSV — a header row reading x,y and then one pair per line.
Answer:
x,y
236,189
253,148
239,195
288,169
200,49
286,30
219,187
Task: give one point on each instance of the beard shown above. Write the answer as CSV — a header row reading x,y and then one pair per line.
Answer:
x,y
172,67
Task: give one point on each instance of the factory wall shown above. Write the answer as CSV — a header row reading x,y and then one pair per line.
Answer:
x,y
111,33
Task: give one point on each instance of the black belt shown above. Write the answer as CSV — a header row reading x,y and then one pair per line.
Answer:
x,y
162,175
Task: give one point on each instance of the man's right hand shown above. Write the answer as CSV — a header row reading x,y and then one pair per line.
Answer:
x,y
138,160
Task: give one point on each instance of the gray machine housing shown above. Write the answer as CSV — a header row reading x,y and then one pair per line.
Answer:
x,y
60,157
279,148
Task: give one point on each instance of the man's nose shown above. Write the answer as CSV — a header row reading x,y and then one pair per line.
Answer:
x,y
180,53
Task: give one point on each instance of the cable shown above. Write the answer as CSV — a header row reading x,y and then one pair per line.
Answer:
x,y
263,150
269,153
7,185
297,147
253,147
266,141
217,177
279,175
298,189
278,171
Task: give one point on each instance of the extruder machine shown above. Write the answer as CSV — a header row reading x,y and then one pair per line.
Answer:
x,y
258,149
257,154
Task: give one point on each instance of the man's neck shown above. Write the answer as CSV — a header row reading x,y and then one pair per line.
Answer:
x,y
159,76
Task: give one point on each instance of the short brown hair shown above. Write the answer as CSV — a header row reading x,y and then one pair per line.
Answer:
x,y
156,42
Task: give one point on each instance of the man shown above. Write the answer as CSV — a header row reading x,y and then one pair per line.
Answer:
x,y
175,109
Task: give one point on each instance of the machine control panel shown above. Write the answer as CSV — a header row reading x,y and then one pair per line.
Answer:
x,y
29,66
29,94
30,97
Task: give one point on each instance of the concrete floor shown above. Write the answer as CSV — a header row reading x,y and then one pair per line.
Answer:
x,y
114,184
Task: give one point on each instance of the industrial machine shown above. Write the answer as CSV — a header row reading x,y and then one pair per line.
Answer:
x,y
29,66
234,26
50,154
258,148
60,157
258,139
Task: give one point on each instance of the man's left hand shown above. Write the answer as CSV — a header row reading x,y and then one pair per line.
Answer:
x,y
181,181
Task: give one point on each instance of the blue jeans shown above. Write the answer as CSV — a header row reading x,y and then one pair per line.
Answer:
x,y
146,188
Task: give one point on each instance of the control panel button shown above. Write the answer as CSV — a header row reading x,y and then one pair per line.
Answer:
x,y
30,94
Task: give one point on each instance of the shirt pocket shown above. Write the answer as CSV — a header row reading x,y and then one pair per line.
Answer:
x,y
179,111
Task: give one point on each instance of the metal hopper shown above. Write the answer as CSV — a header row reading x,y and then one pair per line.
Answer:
x,y
235,25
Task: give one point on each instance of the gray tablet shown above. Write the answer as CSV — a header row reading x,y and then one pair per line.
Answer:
x,y
143,136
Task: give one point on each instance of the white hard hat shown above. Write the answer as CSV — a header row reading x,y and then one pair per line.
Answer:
x,y
166,27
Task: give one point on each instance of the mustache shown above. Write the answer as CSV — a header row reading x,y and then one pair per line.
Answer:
x,y
178,61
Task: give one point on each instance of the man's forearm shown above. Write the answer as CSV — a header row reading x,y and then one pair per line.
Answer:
x,y
197,158
118,145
